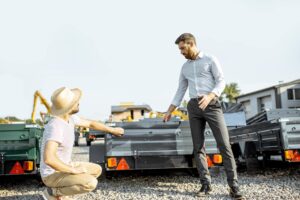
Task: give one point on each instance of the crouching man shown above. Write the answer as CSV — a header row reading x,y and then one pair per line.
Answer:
x,y
62,177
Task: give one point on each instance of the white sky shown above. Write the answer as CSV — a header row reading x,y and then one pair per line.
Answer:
x,y
124,50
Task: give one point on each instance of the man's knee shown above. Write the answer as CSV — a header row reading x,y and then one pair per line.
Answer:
x,y
91,185
98,170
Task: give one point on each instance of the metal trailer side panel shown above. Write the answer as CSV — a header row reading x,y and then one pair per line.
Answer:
x,y
265,135
19,142
290,133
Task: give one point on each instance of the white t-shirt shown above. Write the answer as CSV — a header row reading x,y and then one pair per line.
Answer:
x,y
62,132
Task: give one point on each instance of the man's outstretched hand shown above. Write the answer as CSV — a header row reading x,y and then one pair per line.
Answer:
x,y
117,132
167,117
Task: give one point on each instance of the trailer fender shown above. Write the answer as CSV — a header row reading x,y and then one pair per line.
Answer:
x,y
97,153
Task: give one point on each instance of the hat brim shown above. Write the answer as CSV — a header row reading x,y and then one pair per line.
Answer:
x,y
77,95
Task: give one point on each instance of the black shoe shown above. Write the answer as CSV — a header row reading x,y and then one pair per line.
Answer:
x,y
235,193
205,190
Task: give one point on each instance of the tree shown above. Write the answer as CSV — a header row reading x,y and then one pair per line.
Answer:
x,y
230,92
12,119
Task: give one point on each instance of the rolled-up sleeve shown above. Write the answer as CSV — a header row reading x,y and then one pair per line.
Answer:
x,y
218,76
182,86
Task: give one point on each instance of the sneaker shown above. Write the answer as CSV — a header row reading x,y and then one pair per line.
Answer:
x,y
47,195
235,193
66,198
205,190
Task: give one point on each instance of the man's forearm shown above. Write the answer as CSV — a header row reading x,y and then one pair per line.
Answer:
x,y
171,108
100,127
58,165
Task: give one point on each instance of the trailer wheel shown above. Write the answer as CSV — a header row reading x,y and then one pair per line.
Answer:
x,y
236,150
193,172
252,165
266,159
88,143
103,174
251,158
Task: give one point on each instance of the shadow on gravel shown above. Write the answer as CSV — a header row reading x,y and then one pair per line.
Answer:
x,y
22,197
20,181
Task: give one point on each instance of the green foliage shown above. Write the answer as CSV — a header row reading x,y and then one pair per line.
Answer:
x,y
230,92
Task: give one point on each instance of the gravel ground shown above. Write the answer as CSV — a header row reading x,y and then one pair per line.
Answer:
x,y
273,184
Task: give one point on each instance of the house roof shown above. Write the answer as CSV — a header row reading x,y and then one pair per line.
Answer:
x,y
118,109
272,87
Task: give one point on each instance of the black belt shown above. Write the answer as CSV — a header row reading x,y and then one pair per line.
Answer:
x,y
199,98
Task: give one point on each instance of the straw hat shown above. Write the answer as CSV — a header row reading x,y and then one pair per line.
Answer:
x,y
64,99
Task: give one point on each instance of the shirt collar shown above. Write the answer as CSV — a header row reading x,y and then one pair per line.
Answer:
x,y
200,55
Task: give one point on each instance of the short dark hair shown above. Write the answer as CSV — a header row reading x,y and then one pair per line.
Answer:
x,y
185,37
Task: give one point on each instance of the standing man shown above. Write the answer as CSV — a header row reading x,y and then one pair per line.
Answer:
x,y
61,176
204,77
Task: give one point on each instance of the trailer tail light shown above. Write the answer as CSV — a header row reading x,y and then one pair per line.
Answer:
x,y
288,154
123,165
217,159
209,162
17,169
92,136
292,155
112,162
28,165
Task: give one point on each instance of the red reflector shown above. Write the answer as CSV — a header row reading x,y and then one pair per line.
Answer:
x,y
209,162
122,165
17,169
292,155
92,136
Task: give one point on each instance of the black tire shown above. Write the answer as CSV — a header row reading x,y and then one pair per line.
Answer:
x,y
266,159
252,165
251,158
193,172
103,174
88,143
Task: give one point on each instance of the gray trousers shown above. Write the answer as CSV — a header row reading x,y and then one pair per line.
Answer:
x,y
213,115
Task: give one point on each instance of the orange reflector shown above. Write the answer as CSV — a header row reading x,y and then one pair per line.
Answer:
x,y
217,158
111,162
28,165
209,162
122,165
17,169
288,154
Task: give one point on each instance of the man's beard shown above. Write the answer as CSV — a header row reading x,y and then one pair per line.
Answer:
x,y
74,112
188,56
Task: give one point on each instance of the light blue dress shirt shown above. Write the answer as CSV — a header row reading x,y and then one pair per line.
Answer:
x,y
203,76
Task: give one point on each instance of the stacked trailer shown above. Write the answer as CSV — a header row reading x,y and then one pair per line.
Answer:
x,y
273,133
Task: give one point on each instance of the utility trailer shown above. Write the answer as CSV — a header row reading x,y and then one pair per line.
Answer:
x,y
272,133
152,144
19,149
